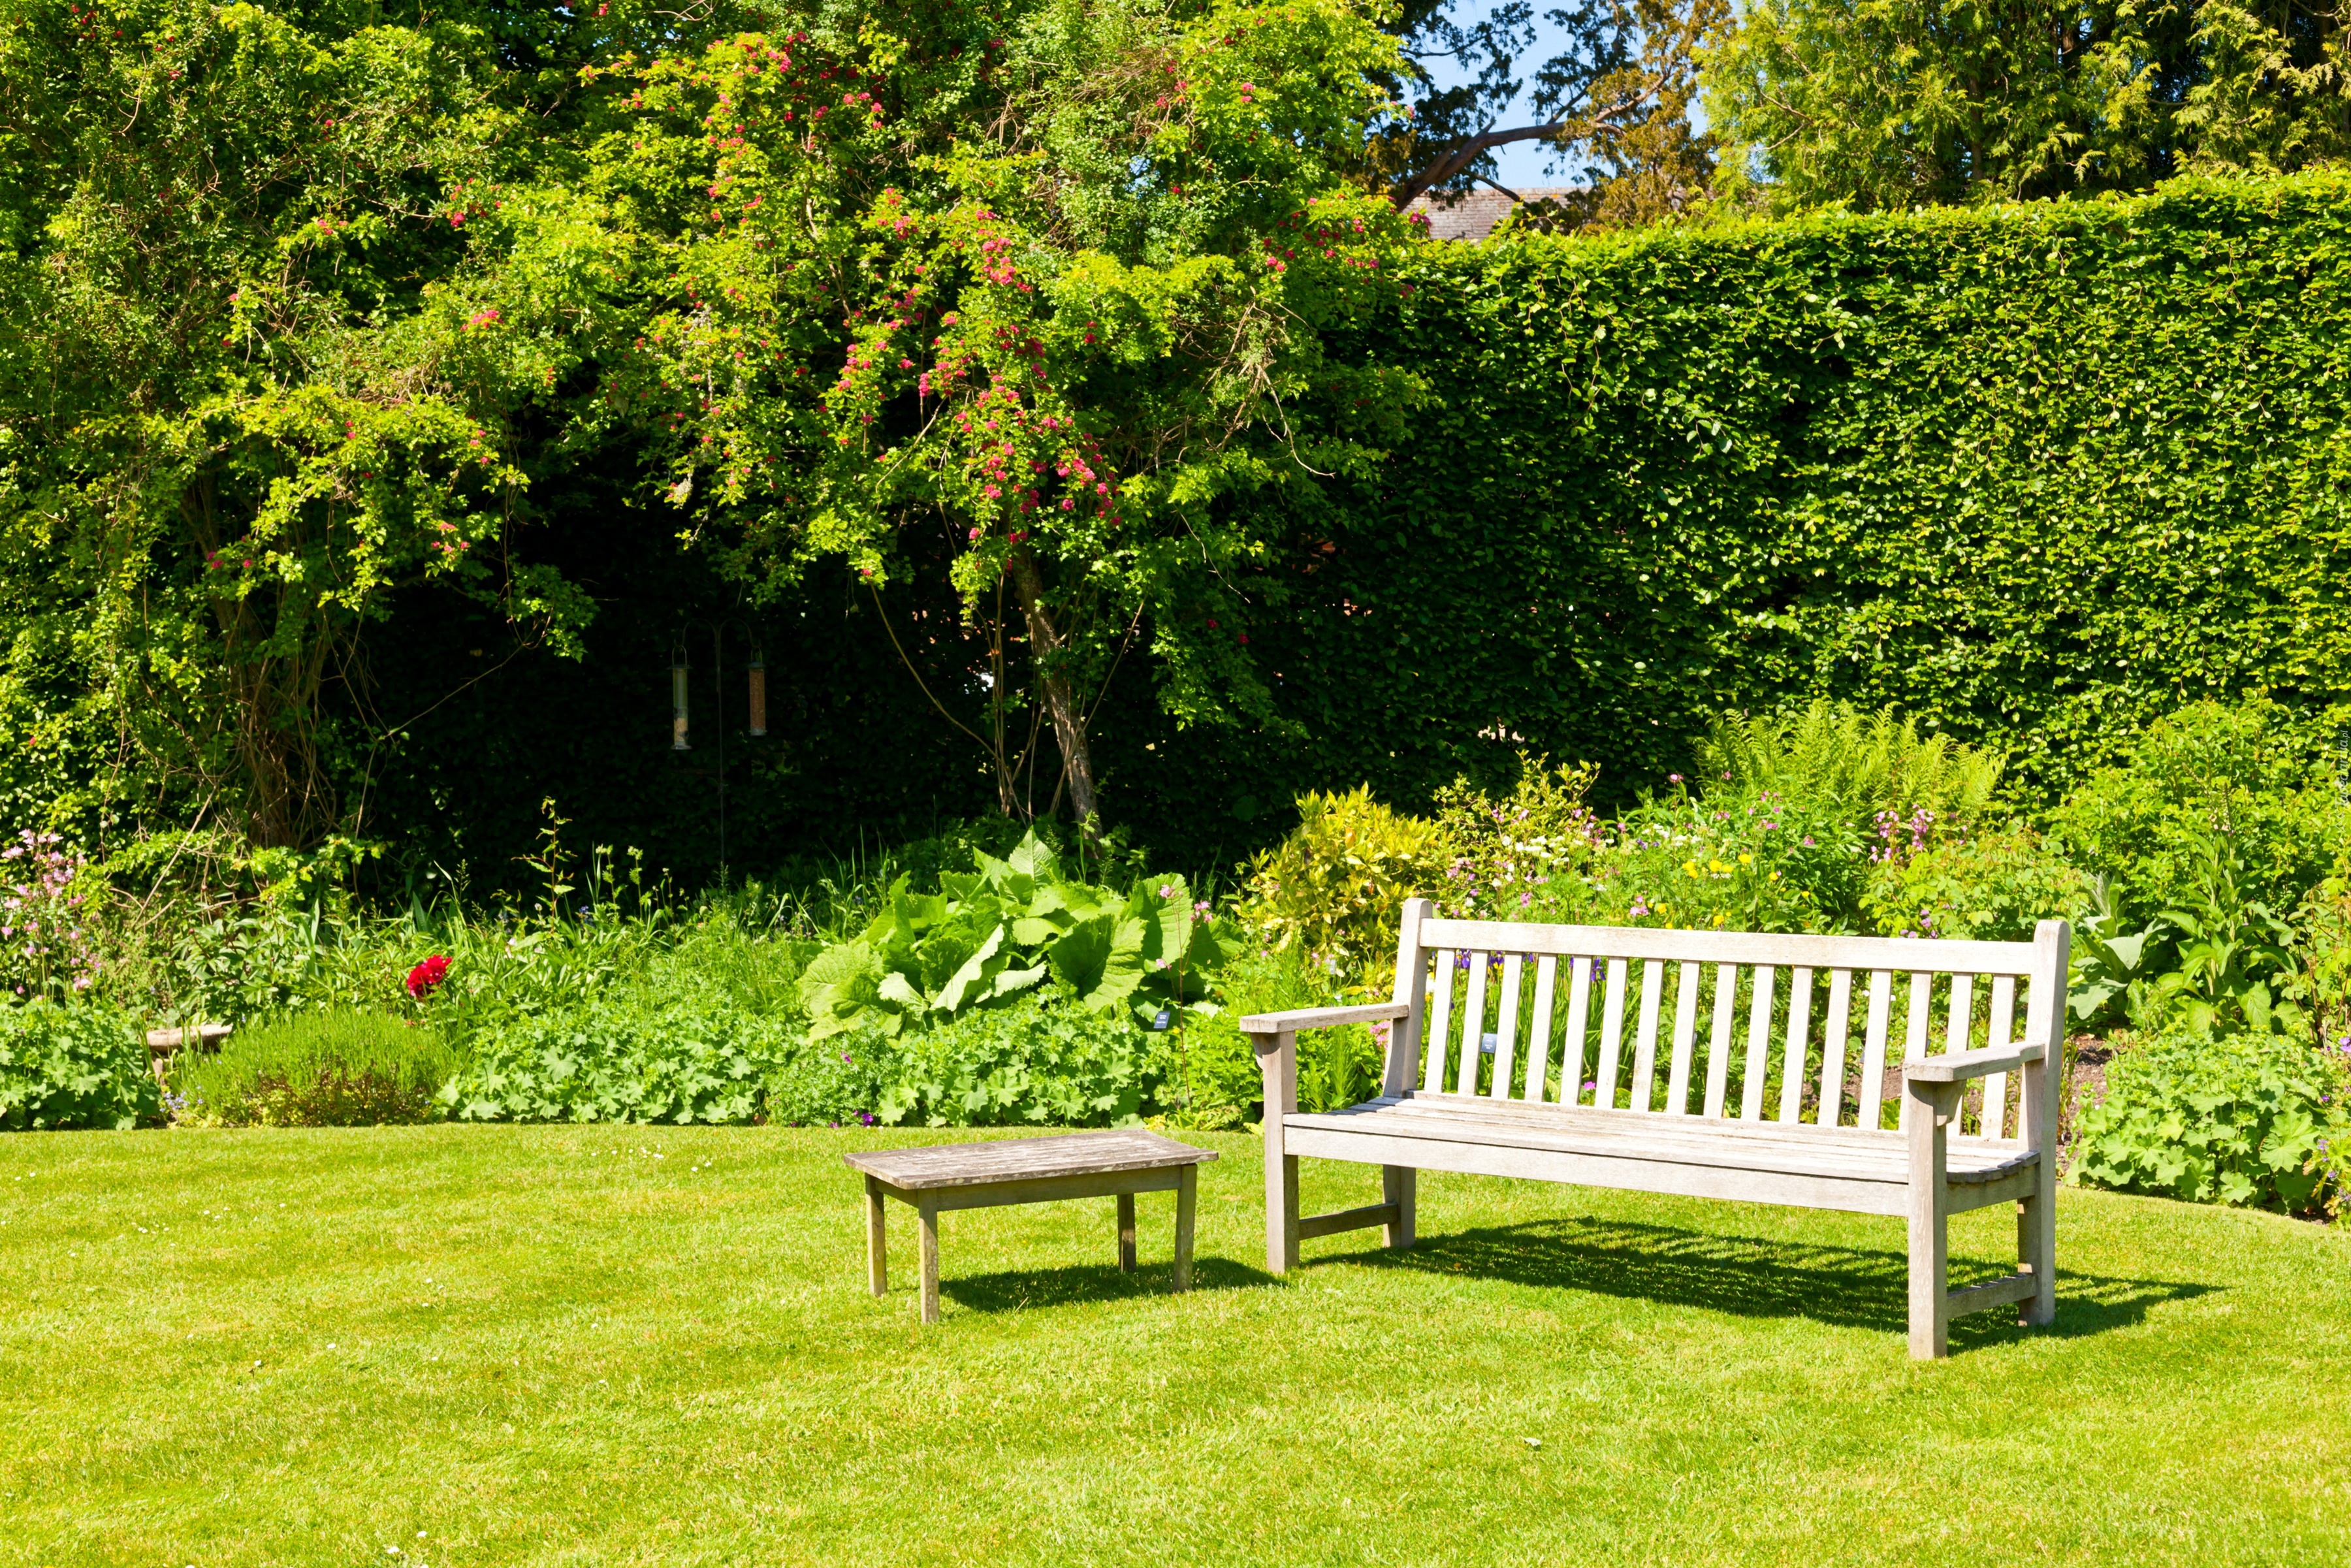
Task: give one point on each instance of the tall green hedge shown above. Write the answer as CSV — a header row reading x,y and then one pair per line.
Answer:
x,y
2038,471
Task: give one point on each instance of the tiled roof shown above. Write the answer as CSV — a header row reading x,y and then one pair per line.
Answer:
x,y
1472,217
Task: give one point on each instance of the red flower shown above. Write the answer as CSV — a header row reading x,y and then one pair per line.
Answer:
x,y
423,979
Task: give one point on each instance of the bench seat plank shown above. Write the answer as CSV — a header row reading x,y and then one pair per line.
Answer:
x,y
1792,1147
1602,1168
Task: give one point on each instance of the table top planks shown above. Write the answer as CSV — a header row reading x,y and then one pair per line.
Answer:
x,y
1025,1159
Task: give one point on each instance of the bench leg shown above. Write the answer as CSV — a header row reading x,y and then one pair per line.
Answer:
x,y
1927,1107
1399,1185
929,1210
2036,1217
1281,1214
1126,1231
877,1246
2036,1254
1187,1198
1277,1058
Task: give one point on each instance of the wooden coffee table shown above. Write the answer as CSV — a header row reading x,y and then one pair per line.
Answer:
x,y
1119,1162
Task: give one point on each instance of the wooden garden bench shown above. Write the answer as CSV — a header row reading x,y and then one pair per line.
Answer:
x,y
1495,1067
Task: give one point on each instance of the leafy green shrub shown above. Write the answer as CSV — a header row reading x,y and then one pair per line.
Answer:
x,y
1994,885
2241,1119
77,1064
1006,927
1503,851
1043,1060
629,1056
1218,1076
1330,892
2210,770
338,1069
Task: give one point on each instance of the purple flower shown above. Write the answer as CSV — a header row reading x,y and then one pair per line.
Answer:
x,y
844,1056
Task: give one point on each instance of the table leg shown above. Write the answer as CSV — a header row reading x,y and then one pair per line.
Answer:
x,y
1126,1231
928,1208
877,1246
1187,1193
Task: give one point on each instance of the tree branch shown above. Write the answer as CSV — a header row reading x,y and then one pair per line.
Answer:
x,y
1405,191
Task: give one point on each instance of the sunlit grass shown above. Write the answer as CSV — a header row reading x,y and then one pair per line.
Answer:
x,y
604,1345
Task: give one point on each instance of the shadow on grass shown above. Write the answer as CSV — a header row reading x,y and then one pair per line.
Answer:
x,y
1016,1290
1752,1277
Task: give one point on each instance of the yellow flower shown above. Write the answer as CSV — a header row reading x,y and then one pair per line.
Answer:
x,y
1746,859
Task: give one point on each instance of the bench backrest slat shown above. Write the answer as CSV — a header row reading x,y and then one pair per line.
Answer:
x,y
1759,1046
1473,1024
1579,1024
1685,1040
1797,993
1913,1040
1718,1054
1440,1021
1995,1091
1799,1029
1645,1041
1868,1107
1832,1044
1611,1035
1506,1028
1538,1034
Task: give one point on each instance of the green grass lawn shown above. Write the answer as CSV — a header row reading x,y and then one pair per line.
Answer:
x,y
602,1344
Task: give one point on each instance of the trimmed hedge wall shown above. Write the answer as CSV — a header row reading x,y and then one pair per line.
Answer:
x,y
2038,471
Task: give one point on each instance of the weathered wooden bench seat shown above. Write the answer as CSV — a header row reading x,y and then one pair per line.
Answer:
x,y
1506,1056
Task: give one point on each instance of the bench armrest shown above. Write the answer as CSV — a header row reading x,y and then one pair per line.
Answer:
x,y
1321,1018
1959,1066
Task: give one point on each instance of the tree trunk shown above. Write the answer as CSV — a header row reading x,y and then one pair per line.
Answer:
x,y
1046,646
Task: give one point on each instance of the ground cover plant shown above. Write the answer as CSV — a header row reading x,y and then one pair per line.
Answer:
x,y
73,1066
488,1345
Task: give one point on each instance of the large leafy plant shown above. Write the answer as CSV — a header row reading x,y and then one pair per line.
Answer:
x,y
1010,927
2216,960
